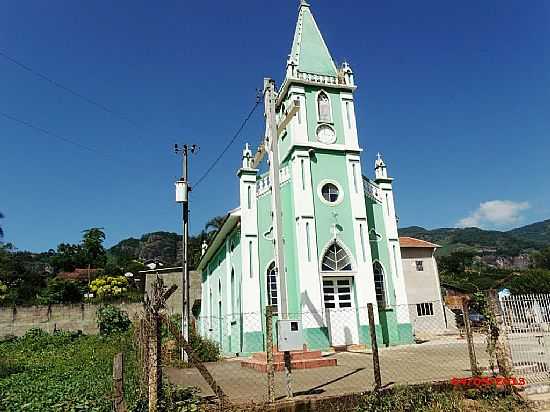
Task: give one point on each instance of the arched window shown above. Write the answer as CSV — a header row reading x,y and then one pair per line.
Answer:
x,y
233,294
379,284
336,259
323,108
271,282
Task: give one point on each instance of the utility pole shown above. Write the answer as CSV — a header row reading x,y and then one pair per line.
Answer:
x,y
273,132
182,196
270,98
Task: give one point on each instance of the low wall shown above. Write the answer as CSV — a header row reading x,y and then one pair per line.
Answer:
x,y
19,319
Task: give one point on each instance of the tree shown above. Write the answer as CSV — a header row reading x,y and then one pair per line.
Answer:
x,y
214,224
1,230
456,262
67,257
92,246
534,281
541,259
22,273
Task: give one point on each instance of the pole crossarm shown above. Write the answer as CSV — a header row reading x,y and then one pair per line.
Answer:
x,y
260,153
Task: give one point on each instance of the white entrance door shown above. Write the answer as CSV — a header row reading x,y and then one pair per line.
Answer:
x,y
340,310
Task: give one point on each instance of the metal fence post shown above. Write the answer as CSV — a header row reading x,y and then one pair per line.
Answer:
x,y
469,336
374,346
269,354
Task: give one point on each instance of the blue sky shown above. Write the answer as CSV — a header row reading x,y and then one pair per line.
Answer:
x,y
456,96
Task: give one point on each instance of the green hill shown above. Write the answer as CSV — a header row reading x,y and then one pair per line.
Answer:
x,y
527,238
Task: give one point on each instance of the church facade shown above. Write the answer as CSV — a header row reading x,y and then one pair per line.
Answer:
x,y
339,228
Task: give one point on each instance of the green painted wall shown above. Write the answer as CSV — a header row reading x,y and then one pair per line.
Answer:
x,y
379,248
331,165
312,117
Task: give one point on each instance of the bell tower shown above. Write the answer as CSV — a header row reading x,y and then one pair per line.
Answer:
x,y
320,146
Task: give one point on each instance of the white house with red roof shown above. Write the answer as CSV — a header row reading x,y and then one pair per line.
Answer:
x,y
427,311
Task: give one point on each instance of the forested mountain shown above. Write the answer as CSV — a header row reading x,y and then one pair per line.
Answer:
x,y
531,237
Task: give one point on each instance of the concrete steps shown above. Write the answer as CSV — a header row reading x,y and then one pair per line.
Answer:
x,y
298,360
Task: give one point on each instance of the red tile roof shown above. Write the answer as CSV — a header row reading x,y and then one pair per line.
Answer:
x,y
78,274
405,241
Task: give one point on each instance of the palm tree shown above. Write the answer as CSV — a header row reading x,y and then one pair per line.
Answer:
x,y
214,224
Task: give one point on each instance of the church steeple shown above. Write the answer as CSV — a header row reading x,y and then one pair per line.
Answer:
x,y
309,52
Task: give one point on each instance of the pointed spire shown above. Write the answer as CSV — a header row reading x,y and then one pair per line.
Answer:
x,y
309,52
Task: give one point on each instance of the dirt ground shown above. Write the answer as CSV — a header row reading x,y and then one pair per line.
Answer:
x,y
437,360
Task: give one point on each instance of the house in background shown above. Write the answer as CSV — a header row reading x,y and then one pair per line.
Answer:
x,y
427,310
340,238
173,276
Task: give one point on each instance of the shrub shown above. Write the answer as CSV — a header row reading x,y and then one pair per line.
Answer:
x,y
60,291
206,349
112,320
109,286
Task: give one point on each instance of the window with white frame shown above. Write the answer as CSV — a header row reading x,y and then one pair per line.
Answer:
x,y
425,309
336,259
419,266
323,108
233,294
330,192
379,284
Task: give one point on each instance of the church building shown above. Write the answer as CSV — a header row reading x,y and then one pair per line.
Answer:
x,y
339,228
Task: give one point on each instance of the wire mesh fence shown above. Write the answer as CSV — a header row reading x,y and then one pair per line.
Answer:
x,y
342,349
417,344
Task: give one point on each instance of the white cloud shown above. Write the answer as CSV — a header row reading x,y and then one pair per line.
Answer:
x,y
496,213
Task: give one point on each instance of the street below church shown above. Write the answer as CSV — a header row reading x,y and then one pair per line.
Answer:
x,y
432,361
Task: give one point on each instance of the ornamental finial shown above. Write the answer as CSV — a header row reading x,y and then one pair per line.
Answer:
x,y
304,3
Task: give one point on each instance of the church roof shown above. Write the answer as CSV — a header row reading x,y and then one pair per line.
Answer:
x,y
309,51
405,241
232,219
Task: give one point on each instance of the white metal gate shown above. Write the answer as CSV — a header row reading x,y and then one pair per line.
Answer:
x,y
527,320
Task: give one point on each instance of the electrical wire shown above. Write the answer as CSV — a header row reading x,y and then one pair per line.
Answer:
x,y
259,99
67,89
49,133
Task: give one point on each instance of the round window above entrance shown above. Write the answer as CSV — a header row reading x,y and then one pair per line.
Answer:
x,y
330,192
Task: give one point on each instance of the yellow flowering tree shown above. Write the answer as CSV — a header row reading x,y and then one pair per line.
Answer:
x,y
109,286
3,292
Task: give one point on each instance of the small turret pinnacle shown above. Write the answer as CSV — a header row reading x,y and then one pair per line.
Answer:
x,y
380,167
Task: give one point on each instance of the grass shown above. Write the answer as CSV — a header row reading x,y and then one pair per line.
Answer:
x,y
62,372
429,399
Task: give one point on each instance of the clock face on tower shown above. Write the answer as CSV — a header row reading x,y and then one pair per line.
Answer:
x,y
325,134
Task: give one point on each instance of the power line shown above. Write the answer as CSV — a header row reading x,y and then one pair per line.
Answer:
x,y
67,89
49,133
231,141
